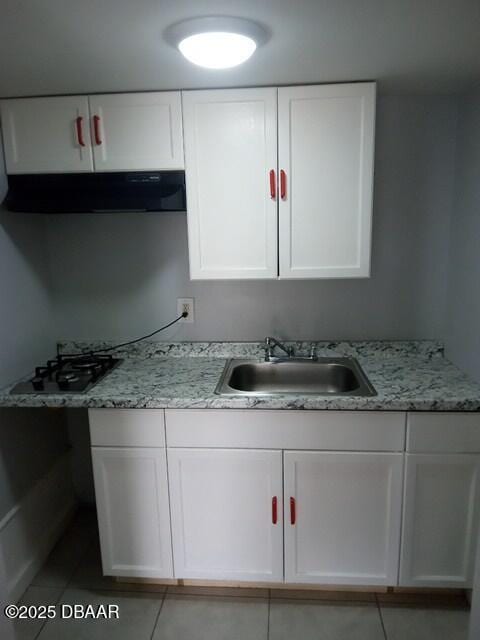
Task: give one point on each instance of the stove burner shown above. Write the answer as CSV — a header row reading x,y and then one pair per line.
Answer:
x,y
90,367
64,380
86,364
69,377
72,374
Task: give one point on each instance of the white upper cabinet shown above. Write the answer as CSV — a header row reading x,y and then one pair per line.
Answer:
x,y
47,135
115,132
230,163
326,148
137,131
310,202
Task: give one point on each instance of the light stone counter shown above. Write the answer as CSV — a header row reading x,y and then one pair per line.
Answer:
x,y
408,376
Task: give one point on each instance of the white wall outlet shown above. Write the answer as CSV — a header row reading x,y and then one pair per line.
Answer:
x,y
186,304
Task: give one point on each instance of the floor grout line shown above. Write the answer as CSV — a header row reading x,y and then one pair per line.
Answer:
x,y
42,586
235,595
113,590
64,588
268,615
60,596
81,558
381,617
158,614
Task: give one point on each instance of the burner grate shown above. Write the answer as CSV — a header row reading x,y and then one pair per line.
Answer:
x,y
68,374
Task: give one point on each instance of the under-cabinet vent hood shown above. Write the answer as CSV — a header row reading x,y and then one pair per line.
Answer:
x,y
97,192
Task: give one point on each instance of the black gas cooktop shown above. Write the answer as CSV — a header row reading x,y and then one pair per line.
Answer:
x,y
68,374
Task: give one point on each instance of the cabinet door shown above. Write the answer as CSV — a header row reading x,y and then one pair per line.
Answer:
x,y
137,131
230,150
47,135
133,512
342,517
226,514
440,520
326,145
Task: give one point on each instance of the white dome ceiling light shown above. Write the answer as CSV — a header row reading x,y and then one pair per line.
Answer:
x,y
216,42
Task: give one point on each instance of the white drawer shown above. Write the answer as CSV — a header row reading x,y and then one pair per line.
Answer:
x,y
288,429
127,427
443,432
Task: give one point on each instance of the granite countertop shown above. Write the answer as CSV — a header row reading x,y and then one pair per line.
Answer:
x,y
406,375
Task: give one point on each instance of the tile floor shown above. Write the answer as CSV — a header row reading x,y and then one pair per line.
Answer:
x,y
72,575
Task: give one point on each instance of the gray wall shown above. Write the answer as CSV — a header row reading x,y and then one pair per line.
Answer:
x,y
117,276
463,343
30,440
26,310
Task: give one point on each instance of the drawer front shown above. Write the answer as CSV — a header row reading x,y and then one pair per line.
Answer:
x,y
443,433
127,427
321,430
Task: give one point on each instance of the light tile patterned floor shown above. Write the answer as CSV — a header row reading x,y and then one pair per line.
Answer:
x,y
72,575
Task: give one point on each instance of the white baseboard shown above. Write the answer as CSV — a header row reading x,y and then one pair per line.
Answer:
x,y
31,528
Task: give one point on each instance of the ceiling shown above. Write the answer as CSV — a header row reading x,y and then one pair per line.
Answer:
x,y
83,46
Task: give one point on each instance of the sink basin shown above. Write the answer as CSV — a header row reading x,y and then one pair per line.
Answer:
x,y
325,376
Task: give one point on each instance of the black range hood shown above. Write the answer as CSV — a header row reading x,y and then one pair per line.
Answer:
x,y
97,192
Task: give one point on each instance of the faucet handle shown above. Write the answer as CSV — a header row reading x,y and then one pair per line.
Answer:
x,y
267,347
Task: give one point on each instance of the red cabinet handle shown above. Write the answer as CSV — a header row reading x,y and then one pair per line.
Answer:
x,y
293,511
96,129
283,184
78,124
274,510
273,186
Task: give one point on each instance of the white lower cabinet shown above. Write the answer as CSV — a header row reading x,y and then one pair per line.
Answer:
x,y
226,508
287,496
441,512
131,491
342,517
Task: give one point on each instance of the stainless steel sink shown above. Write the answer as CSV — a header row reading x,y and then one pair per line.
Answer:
x,y
325,376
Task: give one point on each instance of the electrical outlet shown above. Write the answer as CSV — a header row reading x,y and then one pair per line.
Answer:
x,y
186,304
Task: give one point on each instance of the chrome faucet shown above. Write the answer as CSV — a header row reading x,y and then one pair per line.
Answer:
x,y
271,343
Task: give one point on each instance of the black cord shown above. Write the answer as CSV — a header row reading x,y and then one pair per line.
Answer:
x,y
124,344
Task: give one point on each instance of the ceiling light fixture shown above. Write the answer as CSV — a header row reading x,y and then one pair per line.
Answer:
x,y
216,42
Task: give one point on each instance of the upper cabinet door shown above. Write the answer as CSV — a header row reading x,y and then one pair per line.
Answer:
x,y
326,148
137,131
231,163
47,135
